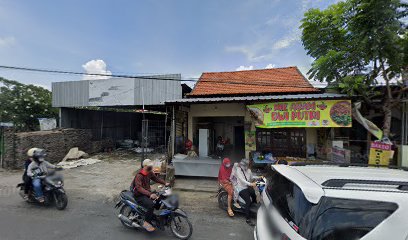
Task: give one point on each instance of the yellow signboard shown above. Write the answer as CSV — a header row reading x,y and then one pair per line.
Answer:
x,y
380,154
319,113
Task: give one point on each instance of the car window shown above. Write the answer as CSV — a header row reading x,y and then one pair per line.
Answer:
x,y
349,219
289,201
345,233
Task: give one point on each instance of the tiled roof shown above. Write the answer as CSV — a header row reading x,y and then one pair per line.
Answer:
x,y
253,82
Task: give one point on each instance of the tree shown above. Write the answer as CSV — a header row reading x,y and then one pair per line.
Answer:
x,y
23,104
359,44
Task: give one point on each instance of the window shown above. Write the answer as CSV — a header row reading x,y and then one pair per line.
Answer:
x,y
349,219
282,142
289,201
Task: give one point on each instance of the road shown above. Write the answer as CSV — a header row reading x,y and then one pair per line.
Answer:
x,y
90,213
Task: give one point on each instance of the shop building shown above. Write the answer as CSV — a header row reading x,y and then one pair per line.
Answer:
x,y
257,113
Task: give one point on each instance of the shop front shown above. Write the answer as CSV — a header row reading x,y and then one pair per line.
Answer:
x,y
301,130
291,127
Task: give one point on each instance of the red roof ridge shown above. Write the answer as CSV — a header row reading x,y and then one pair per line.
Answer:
x,y
260,69
256,81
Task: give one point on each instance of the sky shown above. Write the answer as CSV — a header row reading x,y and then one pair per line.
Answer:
x,y
150,36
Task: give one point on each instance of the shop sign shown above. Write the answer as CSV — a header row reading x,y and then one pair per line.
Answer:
x,y
322,113
380,154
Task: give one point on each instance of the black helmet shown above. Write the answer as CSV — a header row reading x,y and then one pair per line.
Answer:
x,y
39,154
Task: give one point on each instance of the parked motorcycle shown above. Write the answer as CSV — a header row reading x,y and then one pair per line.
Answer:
x,y
53,189
238,206
167,213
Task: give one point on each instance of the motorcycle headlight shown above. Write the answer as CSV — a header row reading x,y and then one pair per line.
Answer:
x,y
167,192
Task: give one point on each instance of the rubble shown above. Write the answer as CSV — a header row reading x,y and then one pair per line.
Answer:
x,y
74,153
77,163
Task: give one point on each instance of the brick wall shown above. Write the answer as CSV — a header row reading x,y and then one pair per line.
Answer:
x,y
57,143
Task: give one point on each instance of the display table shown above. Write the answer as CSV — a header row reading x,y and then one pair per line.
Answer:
x,y
197,167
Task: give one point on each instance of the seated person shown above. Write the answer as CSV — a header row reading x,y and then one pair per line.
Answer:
x,y
37,171
143,194
245,186
26,179
224,180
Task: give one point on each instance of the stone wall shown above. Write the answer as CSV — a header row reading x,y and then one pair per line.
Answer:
x,y
9,145
57,143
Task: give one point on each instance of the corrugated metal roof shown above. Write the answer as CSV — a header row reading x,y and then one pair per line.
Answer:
x,y
258,98
147,90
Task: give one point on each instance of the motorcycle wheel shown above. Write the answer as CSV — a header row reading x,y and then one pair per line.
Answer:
x,y
61,200
223,200
126,211
181,227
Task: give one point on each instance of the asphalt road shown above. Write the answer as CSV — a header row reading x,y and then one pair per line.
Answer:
x,y
92,216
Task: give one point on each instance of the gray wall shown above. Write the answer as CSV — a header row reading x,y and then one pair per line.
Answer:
x,y
155,92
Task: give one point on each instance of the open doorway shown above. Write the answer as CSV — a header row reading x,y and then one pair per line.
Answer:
x,y
229,129
239,142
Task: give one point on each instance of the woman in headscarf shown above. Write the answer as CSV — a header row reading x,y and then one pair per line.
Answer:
x,y
224,180
245,187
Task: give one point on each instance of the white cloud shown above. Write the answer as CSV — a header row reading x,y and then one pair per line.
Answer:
x,y
244,68
97,66
7,41
270,65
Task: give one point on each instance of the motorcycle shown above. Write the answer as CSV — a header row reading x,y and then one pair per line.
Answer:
x,y
53,189
167,213
238,206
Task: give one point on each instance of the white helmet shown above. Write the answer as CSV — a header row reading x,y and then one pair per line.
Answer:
x,y
31,151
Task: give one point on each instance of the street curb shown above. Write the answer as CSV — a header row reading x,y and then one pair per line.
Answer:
x,y
194,190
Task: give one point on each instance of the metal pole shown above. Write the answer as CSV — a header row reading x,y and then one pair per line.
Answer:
x,y
165,133
102,126
1,146
143,130
173,134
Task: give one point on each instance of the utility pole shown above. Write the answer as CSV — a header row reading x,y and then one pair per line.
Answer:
x,y
143,130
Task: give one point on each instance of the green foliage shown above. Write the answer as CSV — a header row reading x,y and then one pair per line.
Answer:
x,y
356,37
357,43
23,104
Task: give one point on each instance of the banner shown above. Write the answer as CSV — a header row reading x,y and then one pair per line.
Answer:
x,y
47,123
367,124
250,141
380,154
322,113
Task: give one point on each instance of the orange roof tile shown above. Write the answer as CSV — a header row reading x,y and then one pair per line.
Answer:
x,y
253,82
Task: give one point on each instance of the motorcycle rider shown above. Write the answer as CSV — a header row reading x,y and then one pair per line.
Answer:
x,y
26,179
37,171
245,187
143,193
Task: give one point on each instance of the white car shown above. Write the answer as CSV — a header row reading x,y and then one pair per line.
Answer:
x,y
334,203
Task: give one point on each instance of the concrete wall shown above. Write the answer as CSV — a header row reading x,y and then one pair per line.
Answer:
x,y
57,144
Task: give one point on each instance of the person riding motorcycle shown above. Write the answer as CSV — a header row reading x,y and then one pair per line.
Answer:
x,y
26,179
244,186
224,175
37,171
143,193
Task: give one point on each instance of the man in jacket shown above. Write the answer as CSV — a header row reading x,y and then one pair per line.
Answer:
x,y
143,193
37,170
